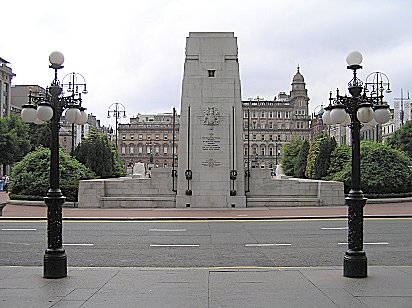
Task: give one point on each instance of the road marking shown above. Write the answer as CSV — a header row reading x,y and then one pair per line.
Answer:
x,y
336,228
379,243
18,229
266,245
174,245
242,215
167,230
77,244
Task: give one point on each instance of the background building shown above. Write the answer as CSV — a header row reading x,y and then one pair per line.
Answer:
x,y
269,124
6,75
148,138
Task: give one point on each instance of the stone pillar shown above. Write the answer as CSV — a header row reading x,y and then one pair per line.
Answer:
x,y
211,171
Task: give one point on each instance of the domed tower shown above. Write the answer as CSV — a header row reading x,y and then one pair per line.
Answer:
x,y
298,86
299,101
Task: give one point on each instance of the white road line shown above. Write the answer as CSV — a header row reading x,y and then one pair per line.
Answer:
x,y
18,229
174,245
77,244
167,230
336,228
379,243
266,245
242,215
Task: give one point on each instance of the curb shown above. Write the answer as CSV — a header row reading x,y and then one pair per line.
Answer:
x,y
203,218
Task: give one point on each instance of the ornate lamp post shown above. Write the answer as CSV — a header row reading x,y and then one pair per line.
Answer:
x,y
117,110
39,110
376,83
73,83
354,110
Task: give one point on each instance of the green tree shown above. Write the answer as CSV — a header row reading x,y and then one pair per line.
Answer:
x,y
290,152
100,155
14,140
384,170
30,177
299,167
322,160
339,158
402,139
39,135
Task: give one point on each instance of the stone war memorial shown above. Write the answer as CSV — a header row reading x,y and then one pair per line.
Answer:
x,y
211,172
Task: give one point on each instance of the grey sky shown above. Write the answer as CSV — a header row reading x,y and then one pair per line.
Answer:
x,y
133,51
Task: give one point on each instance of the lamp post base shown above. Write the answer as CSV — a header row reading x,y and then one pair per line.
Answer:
x,y
355,264
55,264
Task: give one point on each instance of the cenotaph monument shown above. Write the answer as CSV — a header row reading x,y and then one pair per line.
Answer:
x,y
211,171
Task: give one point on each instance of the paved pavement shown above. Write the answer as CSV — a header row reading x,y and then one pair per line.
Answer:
x,y
206,287
385,286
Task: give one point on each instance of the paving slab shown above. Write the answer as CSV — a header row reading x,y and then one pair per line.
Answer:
x,y
206,287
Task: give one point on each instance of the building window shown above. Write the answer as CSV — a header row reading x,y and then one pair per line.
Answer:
x,y
245,113
270,125
270,138
262,114
262,151
132,136
254,137
140,136
165,150
148,137
140,150
254,114
211,73
165,137
157,137
279,115
262,125
287,114
246,137
254,125
279,125
270,114
263,137
123,136
131,150
245,151
123,149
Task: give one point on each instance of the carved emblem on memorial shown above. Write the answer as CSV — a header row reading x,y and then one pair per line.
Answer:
x,y
211,116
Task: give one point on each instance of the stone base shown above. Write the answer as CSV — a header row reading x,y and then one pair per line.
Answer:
x,y
183,201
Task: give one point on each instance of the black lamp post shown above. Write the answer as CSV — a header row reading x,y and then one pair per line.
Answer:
x,y
117,110
352,111
73,83
39,110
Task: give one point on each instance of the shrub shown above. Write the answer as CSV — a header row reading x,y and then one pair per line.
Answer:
x,y
383,170
30,177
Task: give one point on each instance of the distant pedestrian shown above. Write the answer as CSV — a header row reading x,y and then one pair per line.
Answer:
x,y
6,181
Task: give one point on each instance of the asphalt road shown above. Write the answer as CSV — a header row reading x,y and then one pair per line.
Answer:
x,y
207,243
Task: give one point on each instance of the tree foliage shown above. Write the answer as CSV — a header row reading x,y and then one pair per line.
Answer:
x,y
402,139
299,167
100,155
30,177
319,157
290,152
384,170
14,139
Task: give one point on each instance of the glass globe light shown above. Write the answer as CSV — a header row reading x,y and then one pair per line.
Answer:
x,y
365,114
28,113
338,115
56,59
354,58
44,112
382,114
326,117
82,119
347,120
72,114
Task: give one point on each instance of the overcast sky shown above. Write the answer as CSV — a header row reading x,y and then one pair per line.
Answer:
x,y
133,52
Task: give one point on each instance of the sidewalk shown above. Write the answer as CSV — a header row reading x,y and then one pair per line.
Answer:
x,y
371,210
206,287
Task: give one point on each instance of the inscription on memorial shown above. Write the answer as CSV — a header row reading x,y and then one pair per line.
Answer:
x,y
211,143
211,163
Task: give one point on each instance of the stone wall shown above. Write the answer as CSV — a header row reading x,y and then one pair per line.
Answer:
x,y
270,192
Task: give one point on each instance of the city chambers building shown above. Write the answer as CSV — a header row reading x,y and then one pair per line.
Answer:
x,y
267,126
